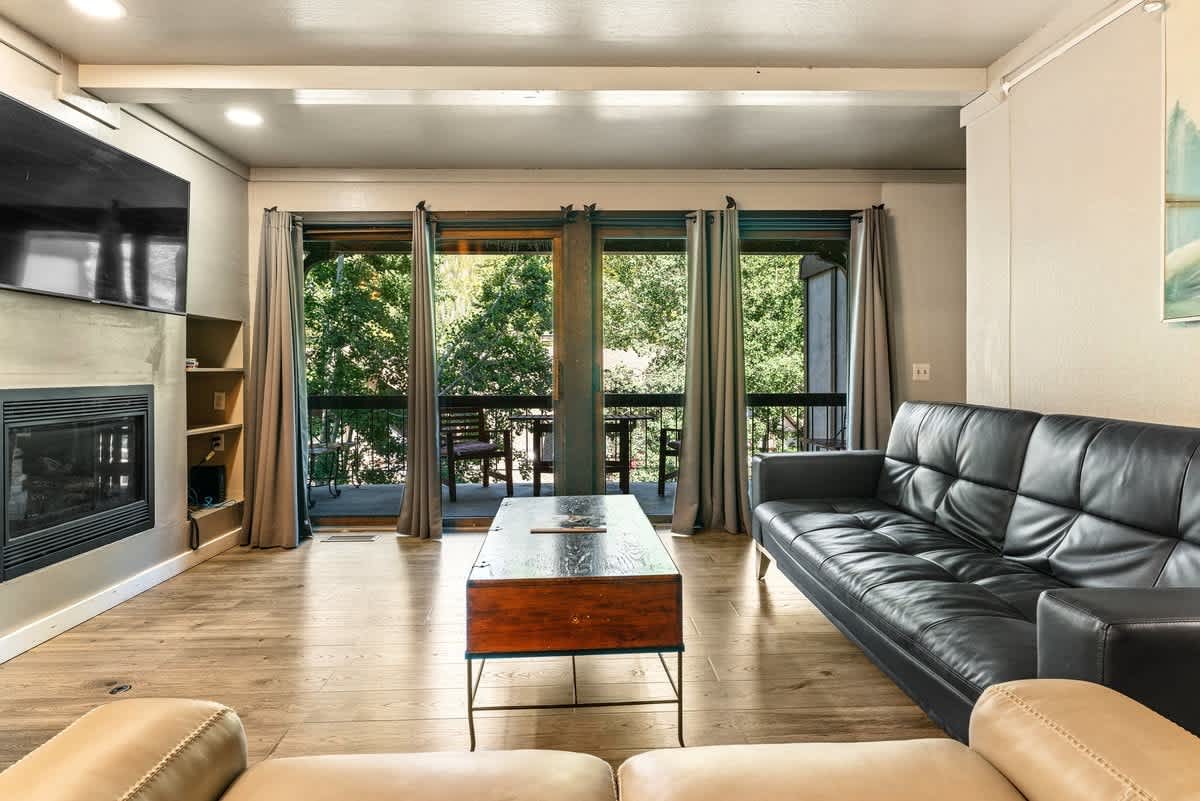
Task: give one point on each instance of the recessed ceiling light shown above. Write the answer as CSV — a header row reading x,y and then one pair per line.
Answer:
x,y
244,116
1154,6
100,9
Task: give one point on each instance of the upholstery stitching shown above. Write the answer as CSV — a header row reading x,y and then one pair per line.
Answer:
x,y
171,755
1131,786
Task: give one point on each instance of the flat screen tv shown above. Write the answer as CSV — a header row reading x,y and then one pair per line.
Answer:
x,y
82,219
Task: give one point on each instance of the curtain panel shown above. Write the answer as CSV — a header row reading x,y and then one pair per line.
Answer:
x,y
713,488
869,395
421,508
276,512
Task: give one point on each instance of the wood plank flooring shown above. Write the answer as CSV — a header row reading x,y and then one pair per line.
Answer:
x,y
358,647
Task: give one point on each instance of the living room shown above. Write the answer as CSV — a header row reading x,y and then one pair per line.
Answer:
x,y
558,400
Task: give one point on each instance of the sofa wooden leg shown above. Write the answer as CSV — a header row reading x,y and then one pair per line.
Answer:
x,y
764,561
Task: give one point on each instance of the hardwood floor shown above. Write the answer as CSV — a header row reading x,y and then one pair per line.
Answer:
x,y
358,647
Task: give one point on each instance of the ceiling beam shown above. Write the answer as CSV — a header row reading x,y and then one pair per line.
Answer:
x,y
421,85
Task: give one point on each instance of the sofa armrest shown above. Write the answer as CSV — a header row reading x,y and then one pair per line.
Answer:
x,y
816,474
152,749
1059,740
1144,643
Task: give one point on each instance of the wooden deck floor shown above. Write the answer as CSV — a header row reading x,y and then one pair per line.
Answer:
x,y
358,647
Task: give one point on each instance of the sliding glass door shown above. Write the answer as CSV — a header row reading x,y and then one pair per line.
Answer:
x,y
494,303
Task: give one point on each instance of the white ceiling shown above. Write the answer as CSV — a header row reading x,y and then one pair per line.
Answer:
x,y
841,33
480,137
873,129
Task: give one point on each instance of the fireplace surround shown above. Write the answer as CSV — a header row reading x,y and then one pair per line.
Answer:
x,y
76,472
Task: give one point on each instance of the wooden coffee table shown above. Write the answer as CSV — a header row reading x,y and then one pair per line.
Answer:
x,y
573,593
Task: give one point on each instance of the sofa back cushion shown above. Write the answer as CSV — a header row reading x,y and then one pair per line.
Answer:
x,y
957,466
1106,503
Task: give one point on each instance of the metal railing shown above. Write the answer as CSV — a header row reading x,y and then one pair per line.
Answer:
x,y
368,431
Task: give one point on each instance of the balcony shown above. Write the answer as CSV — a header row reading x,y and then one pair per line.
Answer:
x,y
358,452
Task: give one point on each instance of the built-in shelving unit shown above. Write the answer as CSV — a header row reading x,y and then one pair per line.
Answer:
x,y
215,389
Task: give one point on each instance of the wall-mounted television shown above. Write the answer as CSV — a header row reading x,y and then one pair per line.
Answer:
x,y
82,219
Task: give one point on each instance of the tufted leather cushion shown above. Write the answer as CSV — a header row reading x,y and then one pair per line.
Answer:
x,y
970,612
957,466
1104,503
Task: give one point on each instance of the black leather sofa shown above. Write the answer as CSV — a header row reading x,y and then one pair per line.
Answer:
x,y
987,545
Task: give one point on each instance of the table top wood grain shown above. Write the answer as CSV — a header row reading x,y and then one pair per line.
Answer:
x,y
629,547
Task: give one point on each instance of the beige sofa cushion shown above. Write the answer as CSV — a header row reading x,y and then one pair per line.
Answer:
x,y
482,776
1060,740
154,749
908,770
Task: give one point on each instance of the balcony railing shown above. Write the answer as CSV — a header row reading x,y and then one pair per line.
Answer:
x,y
367,432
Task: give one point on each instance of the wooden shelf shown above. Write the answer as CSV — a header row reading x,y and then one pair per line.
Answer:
x,y
202,430
217,345
201,512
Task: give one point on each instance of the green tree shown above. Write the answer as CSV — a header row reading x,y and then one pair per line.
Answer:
x,y
356,331
500,345
356,325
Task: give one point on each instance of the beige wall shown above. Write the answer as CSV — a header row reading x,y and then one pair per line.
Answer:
x,y
927,212
54,342
989,230
1085,147
928,288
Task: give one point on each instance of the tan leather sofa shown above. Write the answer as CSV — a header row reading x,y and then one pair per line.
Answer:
x,y
1035,740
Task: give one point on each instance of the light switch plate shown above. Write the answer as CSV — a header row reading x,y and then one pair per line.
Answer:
x,y
920,372
219,401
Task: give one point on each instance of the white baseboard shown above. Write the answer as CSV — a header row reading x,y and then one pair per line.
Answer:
x,y
18,642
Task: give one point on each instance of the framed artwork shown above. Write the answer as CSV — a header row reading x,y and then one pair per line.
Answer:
x,y
1181,274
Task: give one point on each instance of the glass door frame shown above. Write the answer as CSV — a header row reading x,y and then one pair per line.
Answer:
x,y
600,234
446,231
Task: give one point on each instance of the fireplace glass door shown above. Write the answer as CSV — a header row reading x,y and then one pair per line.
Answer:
x,y
61,472
76,471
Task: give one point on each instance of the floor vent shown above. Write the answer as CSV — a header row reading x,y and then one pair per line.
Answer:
x,y
350,538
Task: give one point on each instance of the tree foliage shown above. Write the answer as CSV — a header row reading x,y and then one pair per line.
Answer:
x,y
494,333
500,346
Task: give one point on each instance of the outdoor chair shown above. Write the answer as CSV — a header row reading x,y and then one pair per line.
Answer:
x,y
670,444
466,438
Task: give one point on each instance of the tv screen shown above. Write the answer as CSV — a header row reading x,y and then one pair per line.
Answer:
x,y
82,219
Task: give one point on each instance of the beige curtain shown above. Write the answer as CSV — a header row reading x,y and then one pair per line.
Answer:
x,y
421,508
870,388
276,412
713,489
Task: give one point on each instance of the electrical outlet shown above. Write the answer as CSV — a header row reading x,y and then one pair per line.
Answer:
x,y
920,372
219,401
218,442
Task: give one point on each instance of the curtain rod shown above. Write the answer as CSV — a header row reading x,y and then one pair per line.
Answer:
x,y
859,215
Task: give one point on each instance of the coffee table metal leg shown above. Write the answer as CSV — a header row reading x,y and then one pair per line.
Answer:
x,y
574,682
679,668
471,701
472,691
676,683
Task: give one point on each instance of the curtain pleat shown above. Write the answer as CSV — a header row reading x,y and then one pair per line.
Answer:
x,y
870,390
421,508
712,489
276,513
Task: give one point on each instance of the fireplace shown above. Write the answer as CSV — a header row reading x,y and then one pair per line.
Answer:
x,y
77,469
